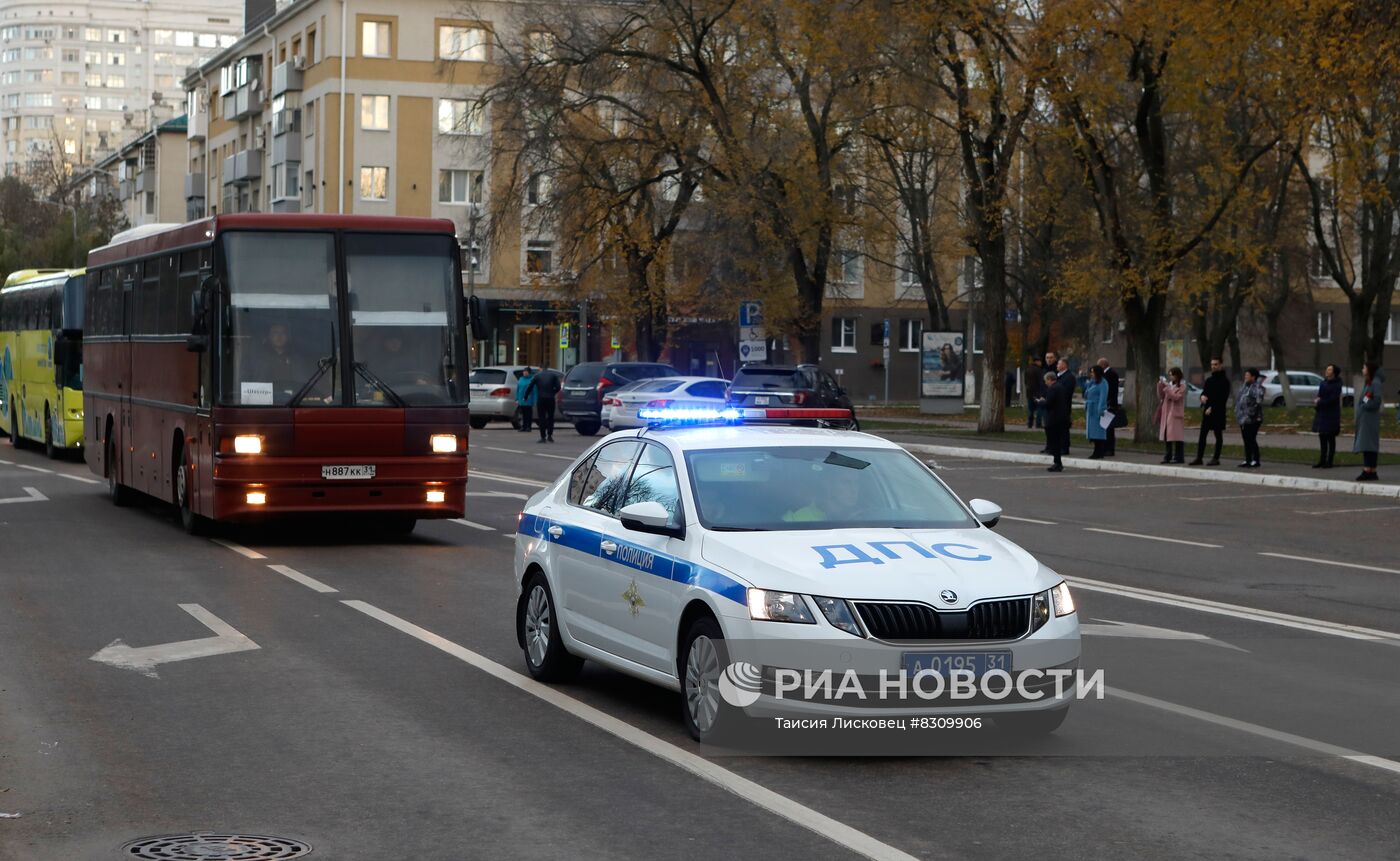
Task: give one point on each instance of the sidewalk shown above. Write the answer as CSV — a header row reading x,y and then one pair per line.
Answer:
x,y
1282,475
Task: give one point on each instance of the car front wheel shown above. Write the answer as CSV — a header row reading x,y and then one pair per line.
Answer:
x,y
588,428
478,422
702,663
538,624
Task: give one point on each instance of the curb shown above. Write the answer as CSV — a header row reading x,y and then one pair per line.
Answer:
x,y
1287,482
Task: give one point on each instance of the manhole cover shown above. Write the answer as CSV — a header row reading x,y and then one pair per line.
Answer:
x,y
215,847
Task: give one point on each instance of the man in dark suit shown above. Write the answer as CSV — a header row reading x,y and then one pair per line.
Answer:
x,y
1058,403
1035,386
1064,379
545,385
1048,367
1215,405
1111,377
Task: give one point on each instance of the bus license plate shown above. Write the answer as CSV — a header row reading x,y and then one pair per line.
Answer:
x,y
359,470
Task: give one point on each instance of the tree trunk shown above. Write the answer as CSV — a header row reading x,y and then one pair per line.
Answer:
x,y
991,415
1145,335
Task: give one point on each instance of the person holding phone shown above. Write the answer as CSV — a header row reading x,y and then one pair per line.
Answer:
x,y
1171,416
1367,441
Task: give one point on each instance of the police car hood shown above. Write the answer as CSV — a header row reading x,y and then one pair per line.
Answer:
x,y
881,564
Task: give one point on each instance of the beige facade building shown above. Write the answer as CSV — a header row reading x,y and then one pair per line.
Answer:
x,y
146,175
77,77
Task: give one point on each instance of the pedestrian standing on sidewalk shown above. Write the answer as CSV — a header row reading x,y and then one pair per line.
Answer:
x,y
1066,381
1058,405
1367,442
1035,402
1171,416
1249,413
1327,416
1215,400
1095,405
525,399
545,387
1110,376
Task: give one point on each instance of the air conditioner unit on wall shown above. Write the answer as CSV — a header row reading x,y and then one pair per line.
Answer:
x,y
299,63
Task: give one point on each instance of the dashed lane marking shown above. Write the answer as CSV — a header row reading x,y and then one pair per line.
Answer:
x,y
1331,562
34,468
1349,510
1139,486
507,479
309,582
83,479
238,548
1030,520
474,525
1154,538
1294,493
834,830
508,450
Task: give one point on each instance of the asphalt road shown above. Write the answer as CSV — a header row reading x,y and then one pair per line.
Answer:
x,y
384,713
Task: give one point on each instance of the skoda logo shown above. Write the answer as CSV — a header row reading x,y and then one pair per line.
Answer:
x,y
948,596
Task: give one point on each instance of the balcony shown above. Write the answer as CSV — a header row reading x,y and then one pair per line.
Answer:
x,y
244,101
243,167
145,181
124,189
286,78
197,125
286,121
286,148
290,204
194,186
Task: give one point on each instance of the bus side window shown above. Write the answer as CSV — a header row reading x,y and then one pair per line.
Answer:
x,y
168,313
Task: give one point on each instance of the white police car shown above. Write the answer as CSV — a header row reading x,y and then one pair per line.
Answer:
x,y
677,554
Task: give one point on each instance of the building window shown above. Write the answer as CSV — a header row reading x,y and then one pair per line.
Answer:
x,y
308,190
539,257
184,38
911,333
71,55
846,268
374,113
162,37
374,39
459,117
462,43
1324,327
92,34
460,186
1317,263
846,198
843,334
374,183
116,58
536,189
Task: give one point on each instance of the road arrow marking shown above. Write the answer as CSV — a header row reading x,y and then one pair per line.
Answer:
x,y
1110,628
34,496
145,658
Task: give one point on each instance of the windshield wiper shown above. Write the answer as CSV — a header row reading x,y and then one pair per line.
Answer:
x,y
374,380
323,364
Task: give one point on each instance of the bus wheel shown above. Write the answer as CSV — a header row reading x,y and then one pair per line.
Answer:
x,y
49,450
192,523
14,425
115,491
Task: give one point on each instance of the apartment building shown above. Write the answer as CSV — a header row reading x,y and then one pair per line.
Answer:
x,y
79,76
145,175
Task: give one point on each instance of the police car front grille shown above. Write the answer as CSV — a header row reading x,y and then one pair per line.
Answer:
x,y
1006,619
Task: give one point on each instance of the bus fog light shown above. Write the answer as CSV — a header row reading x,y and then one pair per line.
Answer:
x,y
437,496
444,443
257,497
247,444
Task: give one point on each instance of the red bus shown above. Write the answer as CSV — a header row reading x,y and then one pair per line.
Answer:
x,y
250,365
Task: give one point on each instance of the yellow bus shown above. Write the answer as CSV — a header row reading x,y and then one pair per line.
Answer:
x,y
41,358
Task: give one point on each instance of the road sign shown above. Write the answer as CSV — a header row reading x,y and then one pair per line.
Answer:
x,y
751,313
616,342
887,334
753,351
564,336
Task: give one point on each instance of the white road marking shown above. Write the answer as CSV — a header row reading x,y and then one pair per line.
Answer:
x,y
145,659
33,468
496,448
83,479
799,814
1110,628
308,582
1030,520
1137,486
500,493
238,548
7,462
31,495
1332,562
1289,738
1236,611
1017,477
1253,495
1350,510
1153,537
474,525
508,479
556,456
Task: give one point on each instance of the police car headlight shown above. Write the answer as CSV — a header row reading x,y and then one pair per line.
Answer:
x,y
1063,600
839,613
779,607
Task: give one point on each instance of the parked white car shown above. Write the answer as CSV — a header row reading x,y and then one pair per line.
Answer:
x,y
620,405
1304,385
493,394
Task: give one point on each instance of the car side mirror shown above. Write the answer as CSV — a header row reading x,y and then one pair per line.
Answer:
x,y
649,516
986,512
476,318
196,343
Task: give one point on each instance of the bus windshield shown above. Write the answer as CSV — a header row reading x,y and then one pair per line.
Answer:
x,y
406,337
281,339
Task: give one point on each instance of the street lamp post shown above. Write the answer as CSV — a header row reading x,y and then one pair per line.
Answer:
x,y
471,242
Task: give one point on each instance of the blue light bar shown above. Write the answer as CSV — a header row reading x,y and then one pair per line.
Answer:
x,y
688,415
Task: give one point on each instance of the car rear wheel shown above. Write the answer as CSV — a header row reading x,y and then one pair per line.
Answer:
x,y
588,428
1032,724
538,625
517,419
1279,401
478,422
702,662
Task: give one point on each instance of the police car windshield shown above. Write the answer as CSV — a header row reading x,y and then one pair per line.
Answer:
x,y
818,487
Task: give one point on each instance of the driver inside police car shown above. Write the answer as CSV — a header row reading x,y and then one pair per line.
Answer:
x,y
836,496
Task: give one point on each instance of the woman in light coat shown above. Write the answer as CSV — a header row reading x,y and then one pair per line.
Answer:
x,y
1367,442
1095,401
1171,421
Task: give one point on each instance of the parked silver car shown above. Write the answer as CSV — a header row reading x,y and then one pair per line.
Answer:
x,y
620,406
493,394
1304,385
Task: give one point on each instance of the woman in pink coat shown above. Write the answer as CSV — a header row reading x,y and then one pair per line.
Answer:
x,y
1171,421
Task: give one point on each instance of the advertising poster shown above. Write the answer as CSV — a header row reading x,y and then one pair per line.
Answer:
x,y
944,365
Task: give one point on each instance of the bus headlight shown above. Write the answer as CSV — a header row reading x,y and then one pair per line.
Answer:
x,y
443,443
248,444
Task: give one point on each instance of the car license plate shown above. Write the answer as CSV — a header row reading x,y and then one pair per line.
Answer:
x,y
946,663
357,470
761,400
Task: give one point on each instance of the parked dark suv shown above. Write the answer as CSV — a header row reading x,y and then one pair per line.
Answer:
x,y
581,402
791,386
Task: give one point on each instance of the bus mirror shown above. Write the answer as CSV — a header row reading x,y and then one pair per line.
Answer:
x,y
60,352
196,343
476,318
